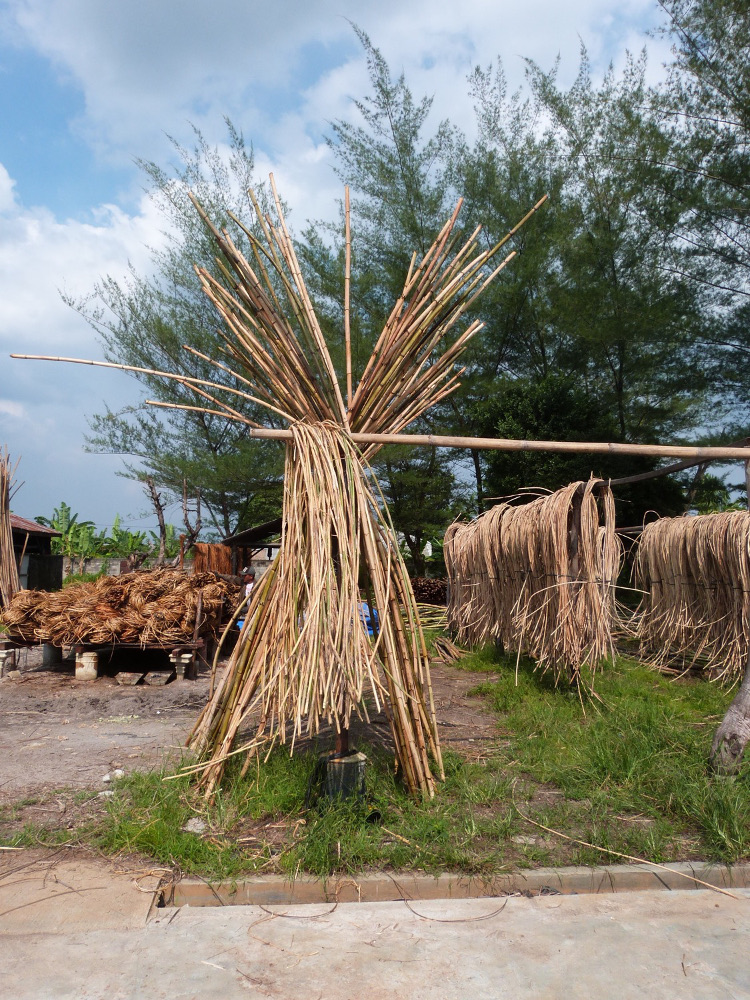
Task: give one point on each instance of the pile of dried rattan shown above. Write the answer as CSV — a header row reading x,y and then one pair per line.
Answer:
x,y
695,572
9,583
539,577
154,608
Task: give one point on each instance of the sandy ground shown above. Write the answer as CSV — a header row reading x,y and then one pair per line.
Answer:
x,y
60,733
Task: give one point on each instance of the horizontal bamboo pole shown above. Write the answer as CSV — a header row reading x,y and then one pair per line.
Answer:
x,y
509,444
444,441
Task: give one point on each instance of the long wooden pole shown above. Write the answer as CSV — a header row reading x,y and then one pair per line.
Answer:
x,y
504,444
347,282
669,470
439,440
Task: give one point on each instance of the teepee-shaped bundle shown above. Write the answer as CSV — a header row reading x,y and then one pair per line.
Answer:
x,y
305,657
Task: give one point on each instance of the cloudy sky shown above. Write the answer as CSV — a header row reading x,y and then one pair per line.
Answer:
x,y
87,87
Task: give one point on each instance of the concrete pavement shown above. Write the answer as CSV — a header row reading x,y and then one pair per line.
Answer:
x,y
94,937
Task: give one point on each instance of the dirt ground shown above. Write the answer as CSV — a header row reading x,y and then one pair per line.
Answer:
x,y
60,736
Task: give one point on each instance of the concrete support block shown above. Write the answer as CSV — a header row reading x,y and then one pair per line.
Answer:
x,y
183,664
51,655
87,666
158,678
7,661
129,677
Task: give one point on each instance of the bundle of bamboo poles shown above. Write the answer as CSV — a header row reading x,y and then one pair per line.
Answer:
x,y
695,574
305,655
539,577
9,582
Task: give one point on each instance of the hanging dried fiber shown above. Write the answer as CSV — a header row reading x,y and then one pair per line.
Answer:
x,y
695,574
539,577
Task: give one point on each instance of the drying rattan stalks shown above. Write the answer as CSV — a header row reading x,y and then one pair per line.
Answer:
x,y
695,572
539,577
304,655
9,582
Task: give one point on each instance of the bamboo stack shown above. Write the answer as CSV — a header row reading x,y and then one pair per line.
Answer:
x,y
212,558
305,656
539,578
695,574
9,582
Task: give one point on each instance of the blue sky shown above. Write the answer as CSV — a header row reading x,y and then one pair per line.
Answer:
x,y
87,88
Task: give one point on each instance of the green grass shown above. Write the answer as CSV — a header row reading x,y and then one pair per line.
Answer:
x,y
626,773
643,751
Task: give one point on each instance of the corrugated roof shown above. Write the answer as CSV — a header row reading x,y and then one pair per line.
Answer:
x,y
30,527
257,534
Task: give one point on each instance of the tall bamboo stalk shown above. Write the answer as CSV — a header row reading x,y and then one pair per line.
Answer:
x,y
9,582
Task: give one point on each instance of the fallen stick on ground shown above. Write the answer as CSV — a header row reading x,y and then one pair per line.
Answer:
x,y
628,857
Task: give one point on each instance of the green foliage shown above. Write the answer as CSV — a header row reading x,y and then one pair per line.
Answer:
x,y
597,311
555,408
710,494
422,494
80,539
596,316
706,107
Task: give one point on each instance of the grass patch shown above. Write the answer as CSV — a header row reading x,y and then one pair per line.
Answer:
x,y
642,752
259,823
627,773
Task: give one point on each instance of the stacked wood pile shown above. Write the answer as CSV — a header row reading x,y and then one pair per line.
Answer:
x,y
154,608
429,591
9,583
539,577
212,559
695,574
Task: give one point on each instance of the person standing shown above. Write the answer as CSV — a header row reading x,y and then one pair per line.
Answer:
x,y
248,581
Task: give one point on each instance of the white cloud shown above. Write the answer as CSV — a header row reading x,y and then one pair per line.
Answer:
x,y
146,68
12,409
7,192
44,406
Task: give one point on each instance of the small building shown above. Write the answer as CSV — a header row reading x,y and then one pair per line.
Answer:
x,y
254,547
38,568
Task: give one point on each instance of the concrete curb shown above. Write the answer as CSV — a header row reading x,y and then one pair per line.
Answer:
x,y
381,887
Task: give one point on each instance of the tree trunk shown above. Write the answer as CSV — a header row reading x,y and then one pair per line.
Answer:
x,y
733,733
156,500
478,476
414,544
